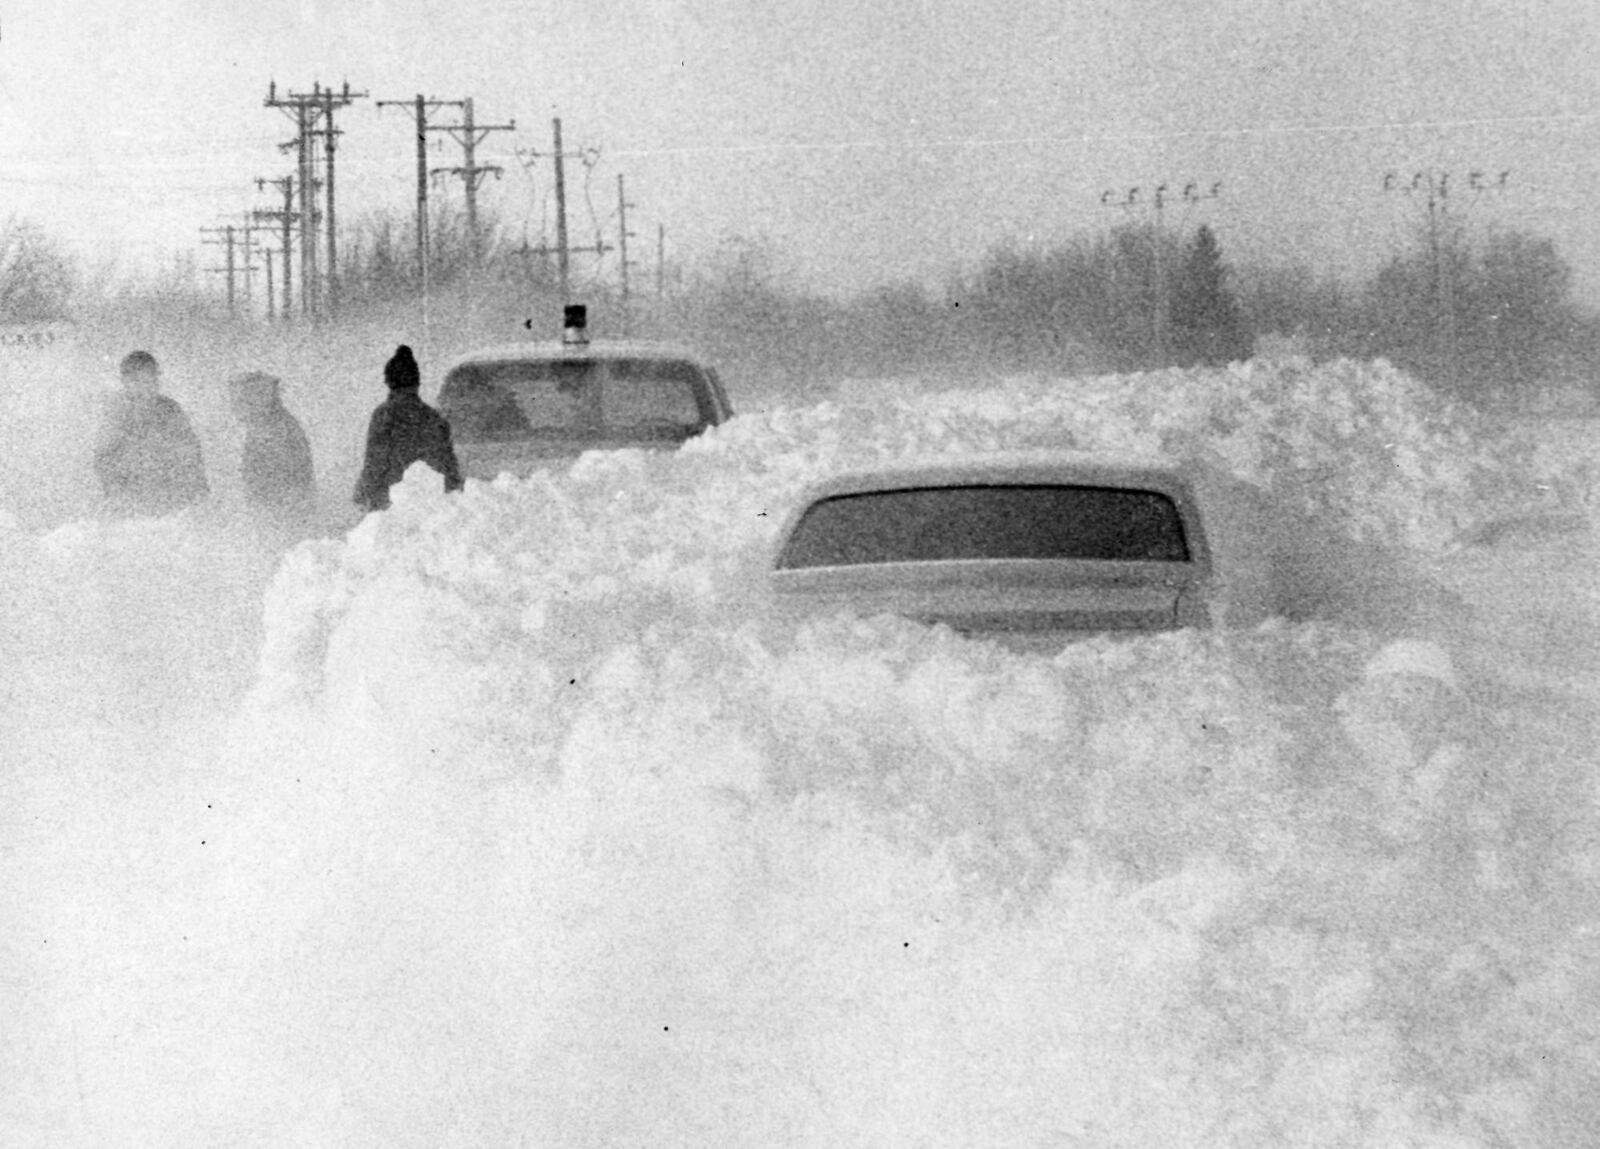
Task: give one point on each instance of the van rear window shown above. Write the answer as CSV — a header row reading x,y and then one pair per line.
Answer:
x,y
988,521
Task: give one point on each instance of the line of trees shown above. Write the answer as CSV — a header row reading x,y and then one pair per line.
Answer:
x,y
1489,318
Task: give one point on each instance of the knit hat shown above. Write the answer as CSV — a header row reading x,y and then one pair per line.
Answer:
x,y
401,370
1414,656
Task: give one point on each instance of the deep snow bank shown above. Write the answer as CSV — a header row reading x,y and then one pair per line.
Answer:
x,y
593,640
537,830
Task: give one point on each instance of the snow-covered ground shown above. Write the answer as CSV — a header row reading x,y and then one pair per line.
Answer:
x,y
511,818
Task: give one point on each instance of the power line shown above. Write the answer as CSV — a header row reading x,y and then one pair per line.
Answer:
x,y
1375,126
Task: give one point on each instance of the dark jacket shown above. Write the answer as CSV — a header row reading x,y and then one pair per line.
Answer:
x,y
276,462
403,431
147,456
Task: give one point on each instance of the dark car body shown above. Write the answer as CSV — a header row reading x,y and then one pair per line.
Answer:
x,y
1032,547
516,407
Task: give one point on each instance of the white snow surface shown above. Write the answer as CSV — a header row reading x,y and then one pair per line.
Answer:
x,y
511,817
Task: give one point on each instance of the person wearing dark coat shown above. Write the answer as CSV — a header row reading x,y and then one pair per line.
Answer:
x,y
275,464
146,454
404,430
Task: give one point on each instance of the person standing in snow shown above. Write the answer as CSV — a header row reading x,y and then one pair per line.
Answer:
x,y
275,465
404,430
146,454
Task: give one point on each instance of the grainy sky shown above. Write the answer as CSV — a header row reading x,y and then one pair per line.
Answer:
x,y
862,142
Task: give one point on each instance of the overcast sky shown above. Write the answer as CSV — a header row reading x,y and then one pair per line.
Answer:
x,y
864,142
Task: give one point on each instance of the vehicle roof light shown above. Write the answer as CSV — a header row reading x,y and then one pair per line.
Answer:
x,y
575,324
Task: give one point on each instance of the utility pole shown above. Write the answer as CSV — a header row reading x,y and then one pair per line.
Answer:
x,y
1435,185
266,262
329,133
226,233
561,214
420,107
1192,197
247,243
563,249
302,110
661,261
286,217
622,238
308,109
469,135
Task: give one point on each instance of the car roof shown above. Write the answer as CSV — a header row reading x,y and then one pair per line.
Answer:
x,y
552,349
1099,469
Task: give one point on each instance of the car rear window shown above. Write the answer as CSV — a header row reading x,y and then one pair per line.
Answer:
x,y
988,521
497,401
515,400
646,392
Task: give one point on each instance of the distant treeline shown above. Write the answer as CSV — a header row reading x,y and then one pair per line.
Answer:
x,y
1488,318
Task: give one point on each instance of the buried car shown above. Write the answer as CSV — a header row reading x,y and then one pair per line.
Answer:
x,y
1035,550
516,407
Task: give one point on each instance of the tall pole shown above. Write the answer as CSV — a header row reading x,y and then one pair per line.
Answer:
x,y
661,261
469,145
1192,197
227,234
1441,252
288,245
561,215
469,134
272,311
622,236
419,111
328,147
422,188
248,244
308,216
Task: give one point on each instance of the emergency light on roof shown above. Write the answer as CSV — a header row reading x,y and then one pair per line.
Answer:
x,y
575,324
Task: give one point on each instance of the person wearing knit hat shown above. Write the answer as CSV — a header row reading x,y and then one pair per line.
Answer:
x,y
404,430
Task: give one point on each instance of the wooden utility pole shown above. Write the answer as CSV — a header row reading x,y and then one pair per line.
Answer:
x,y
1442,250
227,239
308,109
564,250
302,109
420,107
286,217
329,133
469,135
1192,196
561,215
622,236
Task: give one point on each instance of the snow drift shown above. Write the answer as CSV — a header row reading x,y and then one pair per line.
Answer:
x,y
535,828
